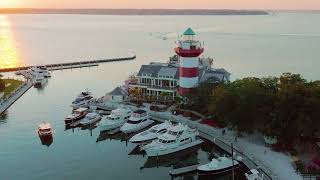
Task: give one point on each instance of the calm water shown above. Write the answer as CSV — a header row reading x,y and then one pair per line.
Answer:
x,y
244,45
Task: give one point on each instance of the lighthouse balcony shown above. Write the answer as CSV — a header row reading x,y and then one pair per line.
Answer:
x,y
192,52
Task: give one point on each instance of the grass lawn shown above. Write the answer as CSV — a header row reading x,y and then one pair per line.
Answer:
x,y
11,85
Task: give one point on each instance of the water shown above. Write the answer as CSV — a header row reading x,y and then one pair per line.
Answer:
x,y
244,45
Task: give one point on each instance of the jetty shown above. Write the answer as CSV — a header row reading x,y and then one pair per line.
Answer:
x,y
71,65
14,96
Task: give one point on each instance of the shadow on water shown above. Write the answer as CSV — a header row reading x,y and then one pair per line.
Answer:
x,y
46,140
4,118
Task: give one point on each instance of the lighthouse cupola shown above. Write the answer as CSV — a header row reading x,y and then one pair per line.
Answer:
x,y
188,49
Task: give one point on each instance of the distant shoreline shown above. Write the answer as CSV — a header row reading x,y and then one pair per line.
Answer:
x,y
133,11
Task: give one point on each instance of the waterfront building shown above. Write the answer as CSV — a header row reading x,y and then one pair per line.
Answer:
x,y
180,75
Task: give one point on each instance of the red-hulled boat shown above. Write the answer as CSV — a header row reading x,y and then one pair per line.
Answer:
x,y
76,115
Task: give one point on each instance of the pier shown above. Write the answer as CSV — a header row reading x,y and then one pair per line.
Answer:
x,y
14,96
71,65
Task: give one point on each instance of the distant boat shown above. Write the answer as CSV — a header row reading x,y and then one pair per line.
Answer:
x,y
76,115
90,118
116,119
218,166
45,129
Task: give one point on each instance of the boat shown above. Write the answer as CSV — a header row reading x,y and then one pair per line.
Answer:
x,y
82,102
90,118
39,81
116,119
45,129
218,166
39,70
85,93
253,174
152,133
76,115
177,138
137,121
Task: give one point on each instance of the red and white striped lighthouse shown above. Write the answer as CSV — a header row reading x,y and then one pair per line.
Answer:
x,y
188,49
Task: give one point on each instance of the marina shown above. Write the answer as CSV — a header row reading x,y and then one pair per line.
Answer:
x,y
85,152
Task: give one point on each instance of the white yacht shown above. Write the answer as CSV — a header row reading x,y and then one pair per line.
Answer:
x,y
177,138
138,121
39,70
85,93
116,119
82,102
218,166
253,174
90,118
40,81
152,133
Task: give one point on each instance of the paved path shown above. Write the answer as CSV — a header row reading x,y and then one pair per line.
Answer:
x,y
14,96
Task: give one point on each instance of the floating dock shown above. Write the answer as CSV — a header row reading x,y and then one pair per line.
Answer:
x,y
71,65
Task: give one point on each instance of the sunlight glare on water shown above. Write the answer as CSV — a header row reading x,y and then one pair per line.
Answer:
x,y
9,56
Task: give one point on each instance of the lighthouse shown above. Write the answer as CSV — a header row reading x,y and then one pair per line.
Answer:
x,y
188,49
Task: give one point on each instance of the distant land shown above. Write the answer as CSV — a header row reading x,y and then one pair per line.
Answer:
x,y
133,11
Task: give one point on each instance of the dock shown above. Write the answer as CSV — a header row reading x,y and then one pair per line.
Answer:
x,y
71,65
12,98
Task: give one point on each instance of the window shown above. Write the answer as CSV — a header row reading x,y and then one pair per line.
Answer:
x,y
162,131
182,140
133,122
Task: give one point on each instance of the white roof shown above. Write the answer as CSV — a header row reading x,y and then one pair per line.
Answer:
x,y
45,126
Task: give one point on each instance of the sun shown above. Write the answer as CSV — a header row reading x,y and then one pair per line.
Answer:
x,y
8,3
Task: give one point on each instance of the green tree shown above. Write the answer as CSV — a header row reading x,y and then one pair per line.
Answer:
x,y
2,84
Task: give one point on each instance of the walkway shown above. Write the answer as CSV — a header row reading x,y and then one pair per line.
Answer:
x,y
71,65
14,96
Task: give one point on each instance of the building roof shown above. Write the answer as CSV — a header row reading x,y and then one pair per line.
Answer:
x,y
189,32
117,92
156,69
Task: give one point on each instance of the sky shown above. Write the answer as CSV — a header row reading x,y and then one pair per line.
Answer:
x,y
164,4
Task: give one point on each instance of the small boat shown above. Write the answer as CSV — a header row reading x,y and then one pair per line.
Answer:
x,y
39,70
138,121
218,166
253,174
116,119
152,133
90,118
177,138
45,129
82,102
84,94
76,115
39,81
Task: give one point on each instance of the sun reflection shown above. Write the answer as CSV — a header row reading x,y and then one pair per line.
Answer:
x,y
9,56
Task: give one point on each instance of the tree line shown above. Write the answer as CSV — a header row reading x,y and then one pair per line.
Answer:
x,y
286,107
2,84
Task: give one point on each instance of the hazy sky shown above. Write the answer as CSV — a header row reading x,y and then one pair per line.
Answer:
x,y
208,4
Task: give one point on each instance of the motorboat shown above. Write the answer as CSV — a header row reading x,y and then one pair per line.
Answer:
x,y
177,138
39,70
253,174
152,133
39,81
218,166
76,115
90,118
82,102
116,119
137,121
45,129
85,93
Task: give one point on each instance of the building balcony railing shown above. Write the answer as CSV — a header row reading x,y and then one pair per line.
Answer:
x,y
149,86
189,52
